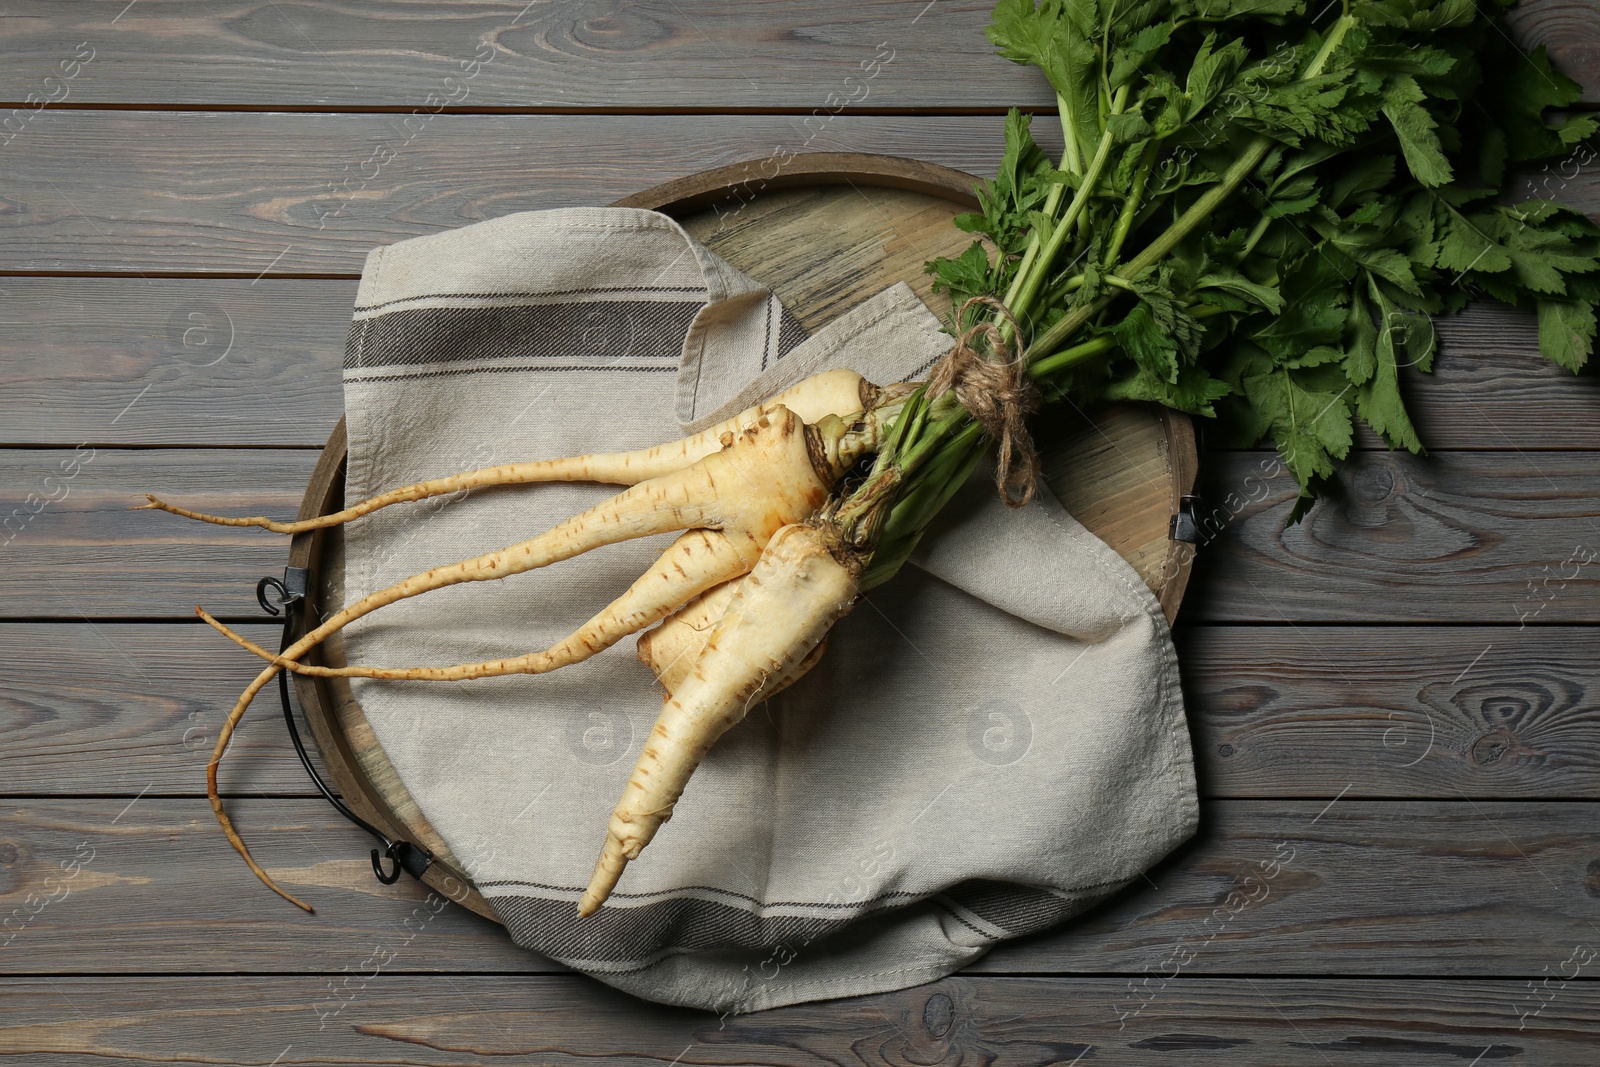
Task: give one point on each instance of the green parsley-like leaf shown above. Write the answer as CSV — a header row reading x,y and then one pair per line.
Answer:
x,y
1378,399
1402,105
1194,391
1566,332
1311,425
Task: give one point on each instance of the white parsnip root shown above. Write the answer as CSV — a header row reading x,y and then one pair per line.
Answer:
x,y
698,560
729,489
776,471
804,582
672,649
832,392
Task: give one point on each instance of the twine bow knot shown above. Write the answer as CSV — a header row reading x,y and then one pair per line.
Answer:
x,y
987,373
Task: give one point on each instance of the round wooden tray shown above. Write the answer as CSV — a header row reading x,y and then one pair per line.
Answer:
x,y
825,231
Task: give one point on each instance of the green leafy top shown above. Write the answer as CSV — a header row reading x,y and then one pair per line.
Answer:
x,y
1255,215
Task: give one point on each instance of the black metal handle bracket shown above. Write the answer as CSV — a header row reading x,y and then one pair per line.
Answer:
x,y
1185,525
287,592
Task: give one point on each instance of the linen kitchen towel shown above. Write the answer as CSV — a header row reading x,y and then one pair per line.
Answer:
x,y
994,741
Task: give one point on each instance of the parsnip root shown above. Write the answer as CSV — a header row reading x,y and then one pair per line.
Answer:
x,y
773,473
223,736
804,583
832,392
696,561
671,649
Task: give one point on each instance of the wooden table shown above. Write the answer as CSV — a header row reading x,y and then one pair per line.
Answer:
x,y
1393,705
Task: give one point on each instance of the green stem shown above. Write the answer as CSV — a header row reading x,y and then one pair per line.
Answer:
x,y
1071,163
1040,268
1130,207
1047,365
1202,209
1052,201
1256,235
1199,212
917,507
920,451
889,450
1069,356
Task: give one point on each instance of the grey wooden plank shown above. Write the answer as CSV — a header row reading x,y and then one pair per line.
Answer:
x,y
232,362
409,1019
1348,887
74,549
120,709
1470,888
1491,389
508,53
693,53
216,361
158,888
1569,30
140,191
1410,711
1503,538
1491,712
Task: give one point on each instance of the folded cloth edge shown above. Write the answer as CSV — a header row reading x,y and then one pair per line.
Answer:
x,y
837,344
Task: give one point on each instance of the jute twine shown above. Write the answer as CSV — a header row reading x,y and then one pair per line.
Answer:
x,y
989,377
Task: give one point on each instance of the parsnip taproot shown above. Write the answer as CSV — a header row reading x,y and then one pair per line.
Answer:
x,y
832,392
696,561
805,581
699,560
767,476
671,649
774,473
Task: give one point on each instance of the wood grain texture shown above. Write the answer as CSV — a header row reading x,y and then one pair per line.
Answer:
x,y
199,191
1274,711
223,362
109,708
1455,537
1464,882
595,53
75,351
592,54
1397,712
77,551
1470,888
1348,887
1115,473
1570,31
1004,1022
1491,389
824,250
160,889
